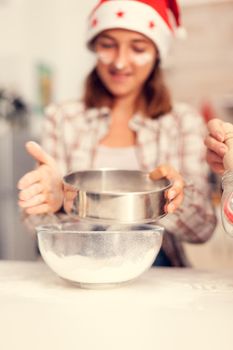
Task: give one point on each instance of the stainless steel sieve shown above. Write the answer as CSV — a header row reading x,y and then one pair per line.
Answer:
x,y
118,196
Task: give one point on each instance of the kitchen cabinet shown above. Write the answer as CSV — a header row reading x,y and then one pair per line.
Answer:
x,y
15,242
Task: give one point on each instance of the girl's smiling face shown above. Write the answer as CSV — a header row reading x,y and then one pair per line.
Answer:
x,y
125,60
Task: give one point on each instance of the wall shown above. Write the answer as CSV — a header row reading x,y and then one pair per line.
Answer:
x,y
201,67
12,40
51,31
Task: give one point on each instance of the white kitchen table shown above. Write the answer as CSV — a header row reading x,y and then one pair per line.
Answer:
x,y
165,308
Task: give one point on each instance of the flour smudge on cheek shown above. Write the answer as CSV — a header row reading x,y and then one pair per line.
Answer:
x,y
142,59
104,57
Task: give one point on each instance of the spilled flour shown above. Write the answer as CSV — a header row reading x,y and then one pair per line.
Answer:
x,y
84,269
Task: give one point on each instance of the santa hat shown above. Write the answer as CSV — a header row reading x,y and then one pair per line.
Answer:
x,y
148,17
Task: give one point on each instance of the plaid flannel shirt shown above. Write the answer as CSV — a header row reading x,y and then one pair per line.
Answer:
x,y
72,133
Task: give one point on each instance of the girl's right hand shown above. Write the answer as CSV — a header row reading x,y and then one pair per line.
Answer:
x,y
175,194
216,149
41,190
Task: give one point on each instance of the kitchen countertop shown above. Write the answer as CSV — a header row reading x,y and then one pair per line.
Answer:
x,y
165,308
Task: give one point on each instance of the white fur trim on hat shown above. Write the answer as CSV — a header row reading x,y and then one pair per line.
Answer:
x,y
131,15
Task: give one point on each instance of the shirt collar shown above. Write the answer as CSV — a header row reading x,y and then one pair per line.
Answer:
x,y
103,115
95,113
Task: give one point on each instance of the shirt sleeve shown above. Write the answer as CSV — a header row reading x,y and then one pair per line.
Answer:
x,y
194,221
53,138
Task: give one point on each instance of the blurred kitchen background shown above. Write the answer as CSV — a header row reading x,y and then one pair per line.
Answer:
x,y
43,58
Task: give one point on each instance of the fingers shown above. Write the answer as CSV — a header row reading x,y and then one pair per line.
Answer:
x,y
158,173
166,171
32,202
216,129
69,198
38,203
40,209
177,188
68,187
41,190
212,158
215,162
41,204
30,192
30,195
35,150
68,206
40,187
171,206
70,195
174,194
215,146
29,179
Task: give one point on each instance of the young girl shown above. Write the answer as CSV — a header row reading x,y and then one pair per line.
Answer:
x,y
127,120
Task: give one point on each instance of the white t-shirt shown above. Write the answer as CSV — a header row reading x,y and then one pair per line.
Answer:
x,y
116,157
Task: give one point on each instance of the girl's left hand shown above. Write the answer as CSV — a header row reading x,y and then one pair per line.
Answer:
x,y
175,193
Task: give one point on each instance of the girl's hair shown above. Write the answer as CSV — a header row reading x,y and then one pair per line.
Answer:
x,y
154,101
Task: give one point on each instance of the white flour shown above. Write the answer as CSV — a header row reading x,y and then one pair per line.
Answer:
x,y
92,270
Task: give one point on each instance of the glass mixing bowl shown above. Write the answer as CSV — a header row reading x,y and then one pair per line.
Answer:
x,y
99,256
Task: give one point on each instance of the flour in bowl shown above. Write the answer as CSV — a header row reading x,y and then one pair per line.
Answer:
x,y
84,269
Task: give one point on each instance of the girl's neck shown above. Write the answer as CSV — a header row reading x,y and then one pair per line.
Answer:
x,y
119,134
124,106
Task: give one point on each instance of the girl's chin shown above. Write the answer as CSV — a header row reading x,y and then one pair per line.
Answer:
x,y
120,93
